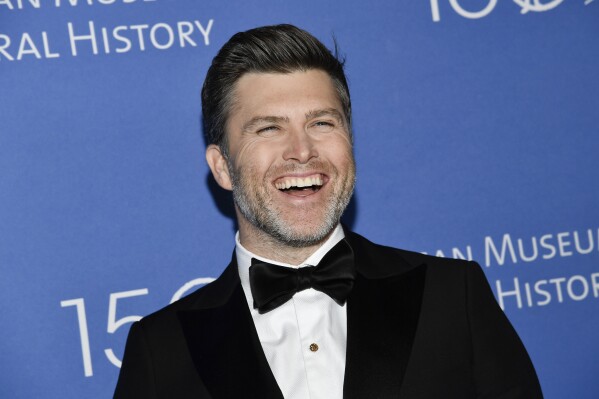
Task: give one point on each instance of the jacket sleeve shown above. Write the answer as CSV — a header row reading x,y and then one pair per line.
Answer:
x,y
136,379
502,368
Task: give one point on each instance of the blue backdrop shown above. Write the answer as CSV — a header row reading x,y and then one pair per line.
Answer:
x,y
476,132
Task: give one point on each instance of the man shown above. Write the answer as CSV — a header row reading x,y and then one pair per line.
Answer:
x,y
368,321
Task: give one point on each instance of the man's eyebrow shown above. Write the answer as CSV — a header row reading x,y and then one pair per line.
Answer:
x,y
249,125
317,113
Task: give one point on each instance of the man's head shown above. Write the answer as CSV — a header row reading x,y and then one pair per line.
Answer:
x,y
276,111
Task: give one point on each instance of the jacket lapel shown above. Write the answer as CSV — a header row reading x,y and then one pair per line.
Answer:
x,y
382,316
223,342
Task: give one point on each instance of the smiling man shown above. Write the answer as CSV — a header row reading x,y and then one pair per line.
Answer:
x,y
307,309
289,162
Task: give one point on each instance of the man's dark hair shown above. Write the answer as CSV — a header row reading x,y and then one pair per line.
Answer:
x,y
268,49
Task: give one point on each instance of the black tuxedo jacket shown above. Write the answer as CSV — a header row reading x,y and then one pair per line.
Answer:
x,y
417,327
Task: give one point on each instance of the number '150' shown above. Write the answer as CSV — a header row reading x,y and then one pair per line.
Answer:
x,y
114,323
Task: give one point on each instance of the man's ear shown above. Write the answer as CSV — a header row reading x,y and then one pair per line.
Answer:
x,y
219,167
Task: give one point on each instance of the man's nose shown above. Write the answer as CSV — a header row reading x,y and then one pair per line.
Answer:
x,y
300,146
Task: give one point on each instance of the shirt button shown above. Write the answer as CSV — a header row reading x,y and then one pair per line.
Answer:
x,y
313,347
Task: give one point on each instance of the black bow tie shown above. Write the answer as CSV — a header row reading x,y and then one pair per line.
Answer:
x,y
274,285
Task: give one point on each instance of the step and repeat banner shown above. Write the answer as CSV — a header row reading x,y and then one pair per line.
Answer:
x,y
476,129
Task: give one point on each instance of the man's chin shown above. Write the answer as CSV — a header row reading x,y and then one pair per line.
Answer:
x,y
297,227
300,235
301,241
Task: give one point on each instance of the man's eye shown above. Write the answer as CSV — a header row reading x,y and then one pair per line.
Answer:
x,y
323,126
267,129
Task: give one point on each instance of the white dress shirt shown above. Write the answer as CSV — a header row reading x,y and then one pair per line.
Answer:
x,y
304,339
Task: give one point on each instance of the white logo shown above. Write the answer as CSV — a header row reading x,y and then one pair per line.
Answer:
x,y
537,5
525,7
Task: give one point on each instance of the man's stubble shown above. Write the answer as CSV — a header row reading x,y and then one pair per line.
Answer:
x,y
257,206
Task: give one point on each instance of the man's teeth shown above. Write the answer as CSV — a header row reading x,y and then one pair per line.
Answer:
x,y
299,182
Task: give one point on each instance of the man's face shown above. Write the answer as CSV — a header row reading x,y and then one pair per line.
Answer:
x,y
290,164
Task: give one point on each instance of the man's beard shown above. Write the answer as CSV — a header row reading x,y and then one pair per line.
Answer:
x,y
258,208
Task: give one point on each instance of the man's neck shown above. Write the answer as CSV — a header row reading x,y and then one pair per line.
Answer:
x,y
266,246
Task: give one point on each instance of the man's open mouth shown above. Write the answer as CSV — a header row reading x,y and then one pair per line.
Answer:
x,y
300,185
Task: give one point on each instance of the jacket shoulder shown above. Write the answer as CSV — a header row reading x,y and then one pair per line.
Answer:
x,y
375,260
210,295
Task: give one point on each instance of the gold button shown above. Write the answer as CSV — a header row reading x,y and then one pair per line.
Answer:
x,y
313,347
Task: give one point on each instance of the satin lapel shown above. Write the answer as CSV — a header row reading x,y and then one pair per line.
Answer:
x,y
382,317
224,345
